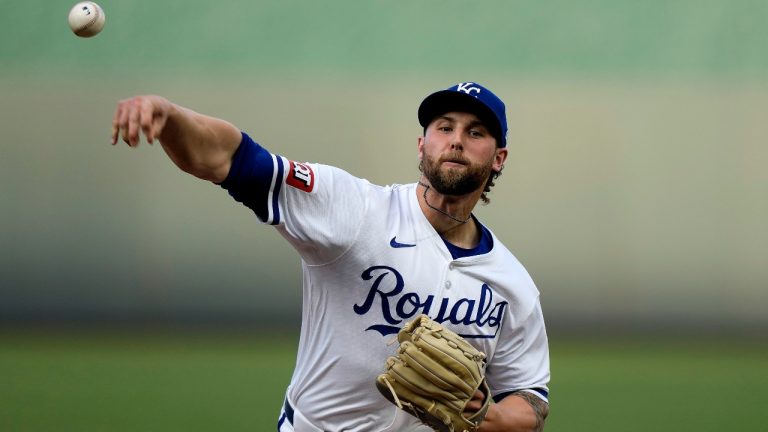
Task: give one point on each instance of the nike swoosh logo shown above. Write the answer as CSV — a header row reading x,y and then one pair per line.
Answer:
x,y
396,245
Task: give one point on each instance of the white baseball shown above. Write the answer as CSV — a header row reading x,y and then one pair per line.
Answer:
x,y
86,19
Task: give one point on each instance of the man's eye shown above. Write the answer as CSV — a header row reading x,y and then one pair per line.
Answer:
x,y
444,128
476,133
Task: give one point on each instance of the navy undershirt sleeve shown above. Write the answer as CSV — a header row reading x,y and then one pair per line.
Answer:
x,y
501,396
250,176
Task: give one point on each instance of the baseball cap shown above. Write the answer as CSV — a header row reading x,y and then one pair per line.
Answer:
x,y
467,97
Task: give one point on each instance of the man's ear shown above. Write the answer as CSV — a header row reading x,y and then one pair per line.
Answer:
x,y
420,147
498,161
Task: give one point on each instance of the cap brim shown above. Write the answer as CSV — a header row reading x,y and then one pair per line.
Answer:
x,y
445,101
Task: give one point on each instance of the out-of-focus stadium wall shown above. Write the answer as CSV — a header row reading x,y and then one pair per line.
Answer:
x,y
636,192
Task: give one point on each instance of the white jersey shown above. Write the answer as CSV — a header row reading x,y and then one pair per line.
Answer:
x,y
371,262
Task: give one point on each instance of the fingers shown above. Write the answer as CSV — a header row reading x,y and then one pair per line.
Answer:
x,y
476,403
123,121
116,124
154,122
131,134
146,116
137,115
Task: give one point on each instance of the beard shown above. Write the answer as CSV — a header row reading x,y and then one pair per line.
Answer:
x,y
456,181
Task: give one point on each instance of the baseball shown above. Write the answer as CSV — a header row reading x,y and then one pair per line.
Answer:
x,y
86,19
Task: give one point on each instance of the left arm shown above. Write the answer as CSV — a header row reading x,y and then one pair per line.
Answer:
x,y
520,361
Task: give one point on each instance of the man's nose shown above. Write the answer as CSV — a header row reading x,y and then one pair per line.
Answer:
x,y
457,141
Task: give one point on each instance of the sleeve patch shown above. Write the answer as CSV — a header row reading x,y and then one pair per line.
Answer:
x,y
300,176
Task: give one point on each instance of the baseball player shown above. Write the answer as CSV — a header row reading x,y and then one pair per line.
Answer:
x,y
373,257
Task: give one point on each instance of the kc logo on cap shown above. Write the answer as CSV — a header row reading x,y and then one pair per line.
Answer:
x,y
464,87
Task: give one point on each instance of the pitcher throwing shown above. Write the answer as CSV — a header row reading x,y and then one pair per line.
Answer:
x,y
376,257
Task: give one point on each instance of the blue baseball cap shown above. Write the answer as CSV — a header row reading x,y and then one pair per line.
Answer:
x,y
467,97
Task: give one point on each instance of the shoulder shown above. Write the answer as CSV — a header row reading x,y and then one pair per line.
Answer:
x,y
513,278
507,259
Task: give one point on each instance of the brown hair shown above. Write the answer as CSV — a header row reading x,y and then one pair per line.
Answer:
x,y
488,185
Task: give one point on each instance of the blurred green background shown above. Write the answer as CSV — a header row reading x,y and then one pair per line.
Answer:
x,y
134,297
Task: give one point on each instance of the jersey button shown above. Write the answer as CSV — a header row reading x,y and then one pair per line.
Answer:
x,y
447,284
451,266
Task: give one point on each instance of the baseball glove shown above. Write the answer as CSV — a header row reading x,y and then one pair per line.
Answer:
x,y
434,375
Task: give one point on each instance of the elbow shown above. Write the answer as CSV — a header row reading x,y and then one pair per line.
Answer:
x,y
520,411
203,166
215,173
208,156
212,157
